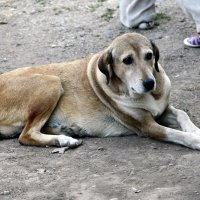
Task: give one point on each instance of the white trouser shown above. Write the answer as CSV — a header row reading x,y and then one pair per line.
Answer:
x,y
192,8
133,12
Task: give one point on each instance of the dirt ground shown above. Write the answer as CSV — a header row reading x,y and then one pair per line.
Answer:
x,y
35,32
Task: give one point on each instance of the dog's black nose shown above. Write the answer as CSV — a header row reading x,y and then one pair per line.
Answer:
x,y
148,84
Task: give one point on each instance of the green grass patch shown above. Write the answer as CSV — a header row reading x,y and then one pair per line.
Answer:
x,y
93,7
41,2
161,17
108,15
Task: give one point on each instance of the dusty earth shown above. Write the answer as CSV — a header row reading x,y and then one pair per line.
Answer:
x,y
34,32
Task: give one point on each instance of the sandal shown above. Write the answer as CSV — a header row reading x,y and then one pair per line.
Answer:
x,y
146,25
193,41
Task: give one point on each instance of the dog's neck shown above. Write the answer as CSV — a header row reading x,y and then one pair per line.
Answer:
x,y
162,81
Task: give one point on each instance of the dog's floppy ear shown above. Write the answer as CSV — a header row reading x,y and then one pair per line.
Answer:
x,y
156,55
105,62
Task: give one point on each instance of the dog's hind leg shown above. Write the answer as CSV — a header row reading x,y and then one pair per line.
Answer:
x,y
31,135
39,111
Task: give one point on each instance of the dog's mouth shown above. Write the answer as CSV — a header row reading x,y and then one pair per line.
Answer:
x,y
133,91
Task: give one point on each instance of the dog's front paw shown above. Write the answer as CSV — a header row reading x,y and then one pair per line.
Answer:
x,y
66,141
193,141
196,145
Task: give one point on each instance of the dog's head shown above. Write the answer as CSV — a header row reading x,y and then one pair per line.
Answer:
x,y
132,59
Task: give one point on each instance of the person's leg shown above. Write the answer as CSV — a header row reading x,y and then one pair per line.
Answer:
x,y
192,8
137,13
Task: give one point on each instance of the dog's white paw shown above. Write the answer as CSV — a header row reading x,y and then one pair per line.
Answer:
x,y
196,131
196,145
66,141
193,141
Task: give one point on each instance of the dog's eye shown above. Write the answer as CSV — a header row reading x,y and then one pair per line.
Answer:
x,y
128,60
148,56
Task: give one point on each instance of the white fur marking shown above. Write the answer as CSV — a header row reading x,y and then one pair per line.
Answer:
x,y
187,139
66,141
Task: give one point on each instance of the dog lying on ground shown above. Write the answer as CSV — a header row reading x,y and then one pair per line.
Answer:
x,y
122,90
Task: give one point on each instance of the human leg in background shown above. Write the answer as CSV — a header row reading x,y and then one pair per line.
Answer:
x,y
192,8
137,13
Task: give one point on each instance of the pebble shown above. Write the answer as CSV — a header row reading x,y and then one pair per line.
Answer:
x,y
101,149
53,46
182,20
136,190
41,171
6,192
184,177
5,60
3,21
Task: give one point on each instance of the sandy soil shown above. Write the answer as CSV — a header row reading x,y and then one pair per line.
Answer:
x,y
34,32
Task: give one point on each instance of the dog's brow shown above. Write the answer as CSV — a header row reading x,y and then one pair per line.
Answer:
x,y
127,55
148,50
122,45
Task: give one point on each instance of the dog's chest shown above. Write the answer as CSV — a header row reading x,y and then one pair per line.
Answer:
x,y
155,107
146,102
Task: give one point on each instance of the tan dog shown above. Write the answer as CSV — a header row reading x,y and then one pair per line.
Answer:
x,y
120,91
